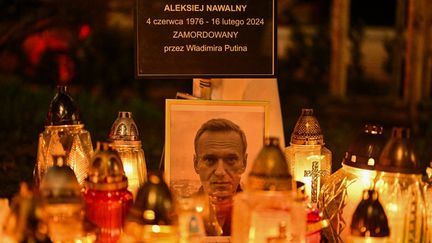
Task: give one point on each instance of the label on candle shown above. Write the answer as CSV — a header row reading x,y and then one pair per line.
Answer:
x,y
192,38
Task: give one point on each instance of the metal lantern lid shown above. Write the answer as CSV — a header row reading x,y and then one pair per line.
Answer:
x,y
60,185
307,130
270,169
124,128
366,148
153,204
106,171
63,110
398,154
369,218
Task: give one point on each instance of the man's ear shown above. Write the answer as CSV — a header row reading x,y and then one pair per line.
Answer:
x,y
244,163
195,159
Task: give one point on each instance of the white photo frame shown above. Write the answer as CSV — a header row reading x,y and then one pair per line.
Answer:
x,y
185,117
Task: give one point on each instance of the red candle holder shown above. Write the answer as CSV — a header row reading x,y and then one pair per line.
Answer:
x,y
106,195
108,210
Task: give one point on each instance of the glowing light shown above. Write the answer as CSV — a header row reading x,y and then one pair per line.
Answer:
x,y
149,214
399,154
392,207
127,167
365,176
152,197
156,228
199,209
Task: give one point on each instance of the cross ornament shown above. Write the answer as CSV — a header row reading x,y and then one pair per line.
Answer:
x,y
315,173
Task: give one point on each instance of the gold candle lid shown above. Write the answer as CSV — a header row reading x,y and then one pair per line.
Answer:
x,y
270,169
154,203
365,149
124,127
307,130
106,171
398,154
60,185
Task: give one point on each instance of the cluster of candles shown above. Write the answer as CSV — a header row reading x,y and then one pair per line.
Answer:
x,y
83,194
290,195
379,194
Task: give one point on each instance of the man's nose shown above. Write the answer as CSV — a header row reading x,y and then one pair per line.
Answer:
x,y
220,169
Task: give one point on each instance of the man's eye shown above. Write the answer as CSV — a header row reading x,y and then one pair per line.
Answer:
x,y
210,160
231,160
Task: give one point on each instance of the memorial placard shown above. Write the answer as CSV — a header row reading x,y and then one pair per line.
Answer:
x,y
198,39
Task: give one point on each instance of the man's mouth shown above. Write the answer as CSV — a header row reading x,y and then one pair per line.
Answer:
x,y
219,188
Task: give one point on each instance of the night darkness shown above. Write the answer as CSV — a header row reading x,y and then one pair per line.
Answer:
x,y
374,13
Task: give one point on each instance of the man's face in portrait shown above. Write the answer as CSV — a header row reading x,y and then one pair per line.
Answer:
x,y
220,160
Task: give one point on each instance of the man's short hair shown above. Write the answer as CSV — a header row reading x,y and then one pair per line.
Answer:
x,y
220,125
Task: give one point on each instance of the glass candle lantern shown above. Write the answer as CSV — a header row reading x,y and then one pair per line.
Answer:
x,y
152,217
258,215
343,190
308,159
62,205
64,134
21,220
399,182
270,170
269,210
369,223
124,137
106,195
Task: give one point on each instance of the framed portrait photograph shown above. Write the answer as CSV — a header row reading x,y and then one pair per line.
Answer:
x,y
192,123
